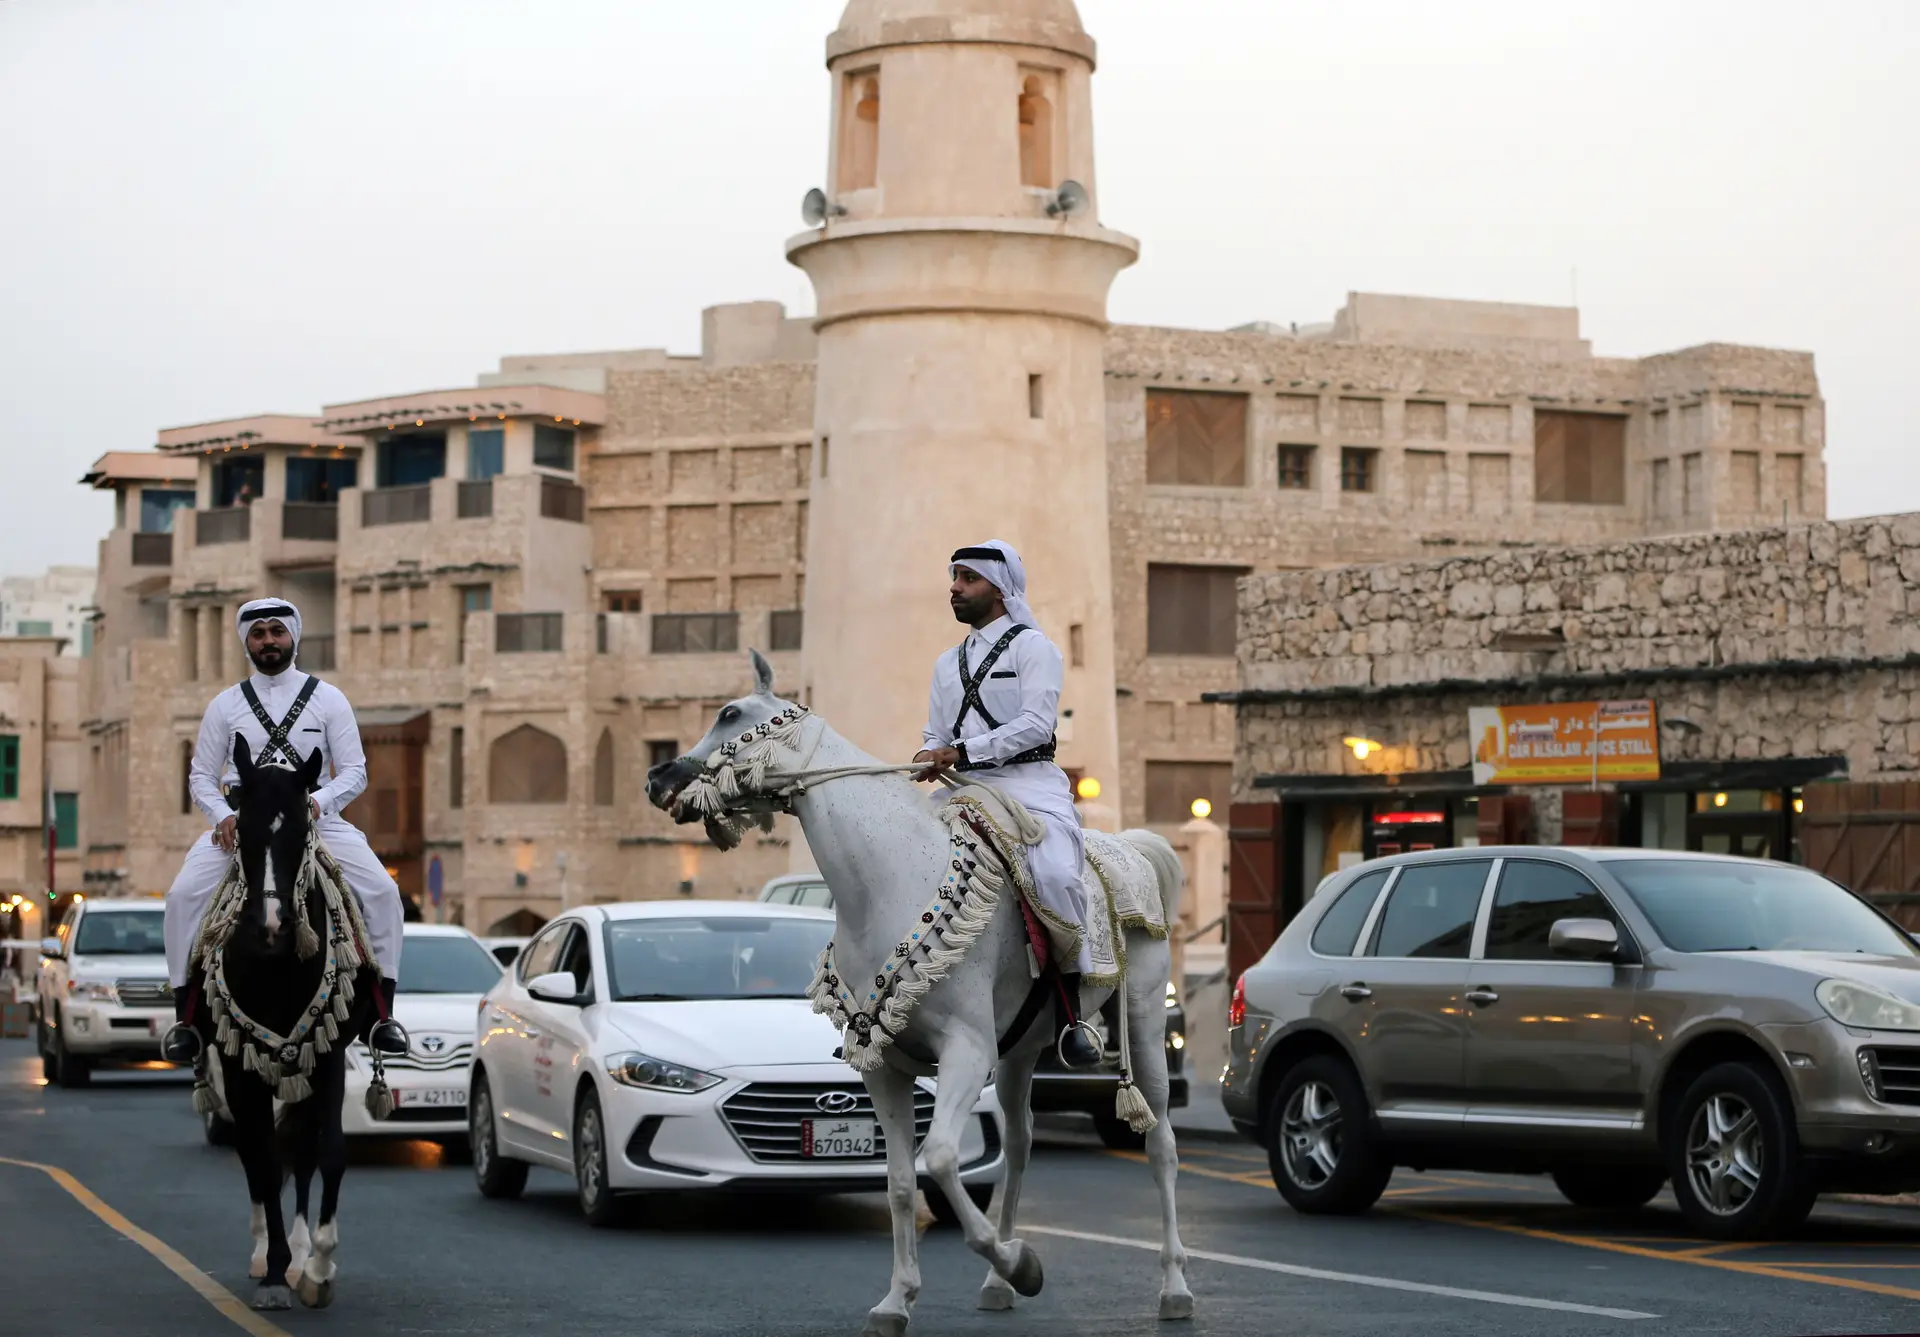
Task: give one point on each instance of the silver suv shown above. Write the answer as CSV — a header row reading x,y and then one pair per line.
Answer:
x,y
1619,1019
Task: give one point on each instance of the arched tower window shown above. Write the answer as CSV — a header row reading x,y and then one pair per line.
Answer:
x,y
860,141
527,765
1036,133
603,770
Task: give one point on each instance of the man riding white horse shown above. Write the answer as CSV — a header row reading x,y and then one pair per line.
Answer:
x,y
284,715
992,714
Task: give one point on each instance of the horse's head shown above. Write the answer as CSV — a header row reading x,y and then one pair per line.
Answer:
x,y
274,821
737,719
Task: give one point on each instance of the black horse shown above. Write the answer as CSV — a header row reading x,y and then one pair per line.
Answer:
x,y
277,974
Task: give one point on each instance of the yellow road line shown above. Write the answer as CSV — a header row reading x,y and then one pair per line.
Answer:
x,y
1849,1267
1724,1264
170,1258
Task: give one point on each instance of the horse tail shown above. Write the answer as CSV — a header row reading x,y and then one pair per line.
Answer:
x,y
1167,869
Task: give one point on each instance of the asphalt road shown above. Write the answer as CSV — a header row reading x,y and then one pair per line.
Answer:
x,y
421,1252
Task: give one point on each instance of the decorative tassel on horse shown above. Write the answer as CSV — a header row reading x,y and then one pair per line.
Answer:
x,y
205,1100
379,1096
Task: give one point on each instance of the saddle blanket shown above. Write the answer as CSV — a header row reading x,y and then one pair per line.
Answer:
x,y
1121,893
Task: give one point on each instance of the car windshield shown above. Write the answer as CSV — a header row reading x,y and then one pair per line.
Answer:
x,y
722,957
121,933
446,965
1701,905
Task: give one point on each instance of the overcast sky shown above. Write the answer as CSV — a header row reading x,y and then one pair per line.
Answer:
x,y
219,208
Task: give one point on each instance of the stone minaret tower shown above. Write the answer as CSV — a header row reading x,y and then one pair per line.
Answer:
x,y
960,393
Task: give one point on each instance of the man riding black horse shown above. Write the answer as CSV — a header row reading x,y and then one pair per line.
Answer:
x,y
285,715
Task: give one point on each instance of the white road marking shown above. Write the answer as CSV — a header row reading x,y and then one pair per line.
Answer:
x,y
1351,1278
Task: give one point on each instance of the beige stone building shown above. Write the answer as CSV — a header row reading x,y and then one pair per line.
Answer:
x,y
42,769
533,587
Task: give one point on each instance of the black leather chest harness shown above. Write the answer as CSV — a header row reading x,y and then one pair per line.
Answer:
x,y
971,704
277,740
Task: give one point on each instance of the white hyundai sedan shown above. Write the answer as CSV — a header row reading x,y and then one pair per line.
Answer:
x,y
668,1046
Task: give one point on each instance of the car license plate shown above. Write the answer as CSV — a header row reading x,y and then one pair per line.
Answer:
x,y
430,1096
822,1138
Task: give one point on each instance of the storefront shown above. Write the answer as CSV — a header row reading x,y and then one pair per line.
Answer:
x,y
1754,694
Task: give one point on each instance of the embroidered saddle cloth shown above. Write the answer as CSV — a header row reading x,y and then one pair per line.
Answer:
x,y
1118,887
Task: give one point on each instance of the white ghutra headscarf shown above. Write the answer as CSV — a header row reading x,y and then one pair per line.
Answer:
x,y
278,610
1000,566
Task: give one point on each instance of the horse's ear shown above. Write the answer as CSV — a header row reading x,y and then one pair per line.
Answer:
x,y
310,768
242,759
762,674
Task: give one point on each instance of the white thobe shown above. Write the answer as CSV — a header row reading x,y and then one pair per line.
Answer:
x,y
327,723
1021,692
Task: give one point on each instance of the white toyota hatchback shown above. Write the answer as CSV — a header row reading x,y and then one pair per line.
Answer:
x,y
444,971
668,1046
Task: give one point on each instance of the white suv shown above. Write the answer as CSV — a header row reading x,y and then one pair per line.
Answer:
x,y
103,992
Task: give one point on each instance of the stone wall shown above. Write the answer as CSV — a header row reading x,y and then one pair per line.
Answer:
x,y
1801,641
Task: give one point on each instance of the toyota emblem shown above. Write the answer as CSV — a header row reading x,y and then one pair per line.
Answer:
x,y
836,1102
432,1044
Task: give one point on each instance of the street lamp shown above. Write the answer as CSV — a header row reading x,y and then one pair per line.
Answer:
x,y
1362,747
1201,809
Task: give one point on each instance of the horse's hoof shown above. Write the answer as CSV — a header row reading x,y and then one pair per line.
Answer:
x,y
319,1294
272,1297
884,1325
996,1295
1175,1306
1027,1276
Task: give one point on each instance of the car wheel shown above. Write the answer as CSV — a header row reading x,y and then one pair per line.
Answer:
x,y
218,1130
69,1069
498,1176
1116,1133
598,1202
1620,1187
1324,1158
1733,1155
942,1209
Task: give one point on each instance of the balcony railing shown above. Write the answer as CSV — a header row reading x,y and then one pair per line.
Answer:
x,y
152,549
229,524
317,653
561,500
475,498
396,505
318,520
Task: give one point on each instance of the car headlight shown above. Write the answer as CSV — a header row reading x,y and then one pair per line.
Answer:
x,y
93,991
655,1074
1854,1004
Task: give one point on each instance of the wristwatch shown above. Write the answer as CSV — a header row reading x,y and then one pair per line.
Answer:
x,y
960,746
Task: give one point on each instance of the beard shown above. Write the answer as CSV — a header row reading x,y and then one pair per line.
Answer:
x,y
971,611
270,659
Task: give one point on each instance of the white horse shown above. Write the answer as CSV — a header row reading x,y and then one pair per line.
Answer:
x,y
885,854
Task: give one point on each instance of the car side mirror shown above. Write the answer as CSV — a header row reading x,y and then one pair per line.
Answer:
x,y
50,947
555,987
1584,939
